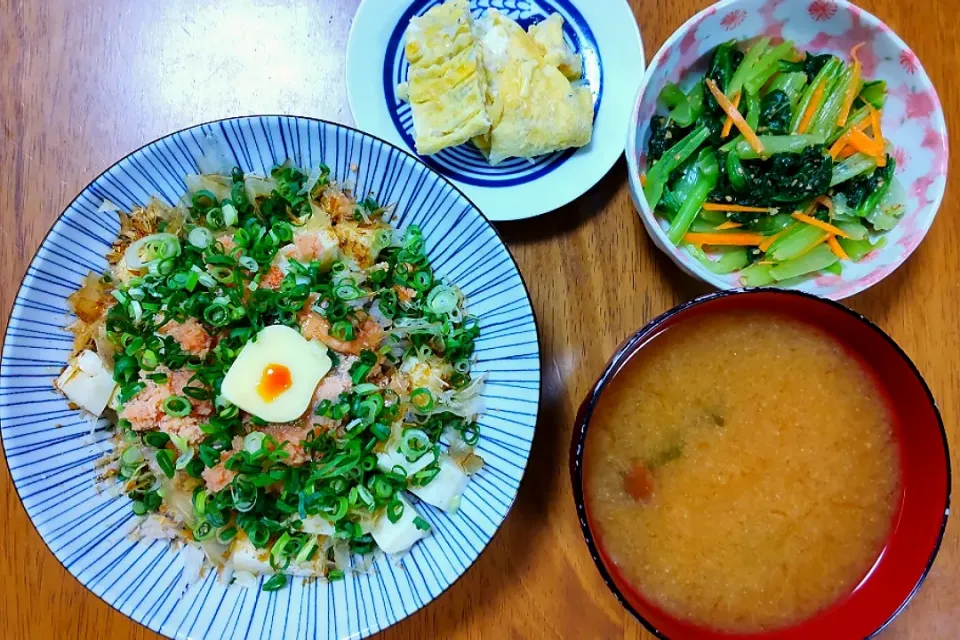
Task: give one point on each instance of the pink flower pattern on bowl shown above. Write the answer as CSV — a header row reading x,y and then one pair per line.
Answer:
x,y
912,120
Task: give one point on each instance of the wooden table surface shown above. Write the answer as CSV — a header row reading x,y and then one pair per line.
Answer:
x,y
84,82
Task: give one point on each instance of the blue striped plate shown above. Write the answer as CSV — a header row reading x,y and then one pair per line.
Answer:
x,y
51,450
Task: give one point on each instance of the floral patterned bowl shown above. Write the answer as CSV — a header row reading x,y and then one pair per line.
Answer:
x,y
912,119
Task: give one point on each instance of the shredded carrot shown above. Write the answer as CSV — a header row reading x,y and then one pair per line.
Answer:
x,y
846,153
769,240
725,239
835,150
729,123
844,140
729,224
862,143
852,88
842,149
877,135
720,206
836,248
643,178
820,224
731,111
812,107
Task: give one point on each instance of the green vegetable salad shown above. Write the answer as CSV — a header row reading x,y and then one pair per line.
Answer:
x,y
773,164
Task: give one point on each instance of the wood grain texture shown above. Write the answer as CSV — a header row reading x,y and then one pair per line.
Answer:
x,y
85,82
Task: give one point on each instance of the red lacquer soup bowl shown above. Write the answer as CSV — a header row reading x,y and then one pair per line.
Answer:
x,y
921,514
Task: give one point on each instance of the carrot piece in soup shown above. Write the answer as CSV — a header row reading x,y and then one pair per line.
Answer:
x,y
638,482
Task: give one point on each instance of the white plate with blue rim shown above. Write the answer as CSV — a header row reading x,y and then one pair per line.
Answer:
x,y
52,450
604,34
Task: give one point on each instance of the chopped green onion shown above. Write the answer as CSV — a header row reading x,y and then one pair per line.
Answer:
x,y
253,441
394,510
380,431
342,330
421,524
414,444
204,199
422,280
131,455
165,462
442,299
365,388
202,531
222,273
338,511
306,551
215,218
149,360
209,455
156,439
177,406
200,500
245,497
217,314
184,459
471,433
347,291
275,583
200,237
422,399
226,534
230,215
359,371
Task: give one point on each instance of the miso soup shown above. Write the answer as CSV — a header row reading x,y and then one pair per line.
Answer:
x,y
741,471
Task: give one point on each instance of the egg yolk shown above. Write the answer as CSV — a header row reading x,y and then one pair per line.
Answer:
x,y
275,380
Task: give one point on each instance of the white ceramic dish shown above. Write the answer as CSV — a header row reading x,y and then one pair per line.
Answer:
x,y
912,119
604,33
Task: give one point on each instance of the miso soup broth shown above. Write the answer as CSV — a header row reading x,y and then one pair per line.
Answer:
x,y
741,471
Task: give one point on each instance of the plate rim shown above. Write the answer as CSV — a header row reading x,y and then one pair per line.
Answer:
x,y
355,131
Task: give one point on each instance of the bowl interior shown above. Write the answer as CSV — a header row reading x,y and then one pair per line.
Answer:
x,y
912,119
925,469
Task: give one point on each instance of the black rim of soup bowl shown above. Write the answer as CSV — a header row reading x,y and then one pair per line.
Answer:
x,y
652,329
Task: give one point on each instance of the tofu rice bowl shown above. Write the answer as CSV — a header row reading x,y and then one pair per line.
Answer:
x,y
283,372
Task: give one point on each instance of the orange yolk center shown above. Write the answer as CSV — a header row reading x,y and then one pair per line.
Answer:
x,y
275,380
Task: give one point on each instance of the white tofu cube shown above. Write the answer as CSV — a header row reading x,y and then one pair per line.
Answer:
x,y
359,243
248,558
444,490
318,526
87,383
397,537
320,245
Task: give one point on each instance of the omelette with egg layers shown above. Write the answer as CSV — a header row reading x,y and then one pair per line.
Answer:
x,y
447,87
531,103
532,106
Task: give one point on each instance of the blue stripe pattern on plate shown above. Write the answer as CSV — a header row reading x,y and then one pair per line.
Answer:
x,y
465,162
51,450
